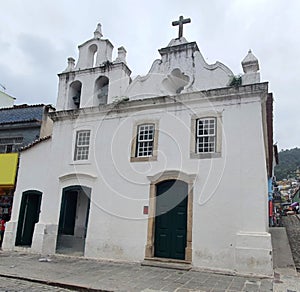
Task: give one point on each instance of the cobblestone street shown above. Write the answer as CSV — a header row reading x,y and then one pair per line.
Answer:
x,y
292,225
12,285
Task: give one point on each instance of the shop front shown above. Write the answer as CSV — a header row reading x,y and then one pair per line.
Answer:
x,y
8,172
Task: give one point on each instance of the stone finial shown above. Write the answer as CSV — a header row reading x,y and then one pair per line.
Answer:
x,y
71,64
250,63
98,32
250,68
121,55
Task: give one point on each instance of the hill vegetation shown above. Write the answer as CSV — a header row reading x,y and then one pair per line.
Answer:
x,y
289,162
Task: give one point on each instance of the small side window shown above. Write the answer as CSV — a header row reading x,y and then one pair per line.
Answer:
x,y
10,144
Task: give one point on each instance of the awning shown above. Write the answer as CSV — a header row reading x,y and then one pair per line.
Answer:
x,y
8,170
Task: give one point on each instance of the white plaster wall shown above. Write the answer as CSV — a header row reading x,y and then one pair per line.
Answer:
x,y
35,173
118,83
62,102
104,53
6,100
229,192
237,201
81,213
202,76
47,125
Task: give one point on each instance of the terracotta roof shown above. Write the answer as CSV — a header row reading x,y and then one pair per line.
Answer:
x,y
35,142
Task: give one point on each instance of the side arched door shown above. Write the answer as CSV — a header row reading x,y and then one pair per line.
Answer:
x,y
28,217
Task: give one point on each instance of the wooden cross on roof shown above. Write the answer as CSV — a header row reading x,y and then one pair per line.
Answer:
x,y
181,22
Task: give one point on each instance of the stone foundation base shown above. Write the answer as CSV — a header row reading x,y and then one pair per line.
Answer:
x,y
44,239
10,235
253,253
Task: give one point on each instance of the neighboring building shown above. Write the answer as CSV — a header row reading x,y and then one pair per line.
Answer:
x,y
172,166
296,195
273,160
22,124
19,126
6,100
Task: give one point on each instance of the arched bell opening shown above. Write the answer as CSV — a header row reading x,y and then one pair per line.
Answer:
x,y
101,90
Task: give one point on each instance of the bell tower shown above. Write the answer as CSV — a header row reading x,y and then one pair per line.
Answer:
x,y
95,79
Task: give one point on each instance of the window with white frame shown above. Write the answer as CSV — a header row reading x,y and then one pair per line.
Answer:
x,y
10,144
82,145
206,135
145,140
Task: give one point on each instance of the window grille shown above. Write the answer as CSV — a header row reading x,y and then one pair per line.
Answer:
x,y
145,139
82,145
206,135
10,144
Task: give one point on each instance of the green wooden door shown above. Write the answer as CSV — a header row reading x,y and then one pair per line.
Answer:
x,y
68,212
171,219
28,217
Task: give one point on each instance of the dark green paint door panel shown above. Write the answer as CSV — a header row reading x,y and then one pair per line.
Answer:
x,y
171,219
68,212
28,217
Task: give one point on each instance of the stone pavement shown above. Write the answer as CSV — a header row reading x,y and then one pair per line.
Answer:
x,y
286,277
10,284
92,275
292,225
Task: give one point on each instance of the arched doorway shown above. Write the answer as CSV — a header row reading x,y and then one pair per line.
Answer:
x,y
73,220
171,219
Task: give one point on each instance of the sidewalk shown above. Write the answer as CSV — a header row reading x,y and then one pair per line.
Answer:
x,y
92,275
81,274
286,277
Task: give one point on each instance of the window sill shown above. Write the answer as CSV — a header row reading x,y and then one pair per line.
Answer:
x,y
143,159
81,162
205,155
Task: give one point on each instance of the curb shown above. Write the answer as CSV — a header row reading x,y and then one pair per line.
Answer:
x,y
55,284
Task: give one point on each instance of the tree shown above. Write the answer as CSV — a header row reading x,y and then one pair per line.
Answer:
x,y
289,162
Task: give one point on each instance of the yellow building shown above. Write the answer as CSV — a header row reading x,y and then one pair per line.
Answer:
x,y
8,173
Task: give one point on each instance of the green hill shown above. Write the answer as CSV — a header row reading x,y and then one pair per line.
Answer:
x,y
289,162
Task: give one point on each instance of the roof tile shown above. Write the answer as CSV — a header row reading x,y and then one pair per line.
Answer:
x,y
21,113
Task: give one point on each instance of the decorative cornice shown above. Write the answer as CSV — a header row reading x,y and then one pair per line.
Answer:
x,y
178,48
99,69
172,174
77,176
225,94
96,39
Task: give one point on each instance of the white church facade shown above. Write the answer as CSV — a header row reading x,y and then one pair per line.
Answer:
x,y
171,166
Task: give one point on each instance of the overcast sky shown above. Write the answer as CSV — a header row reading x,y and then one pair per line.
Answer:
x,y
37,37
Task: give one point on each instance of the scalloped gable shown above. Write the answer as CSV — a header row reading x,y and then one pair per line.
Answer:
x,y
181,69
